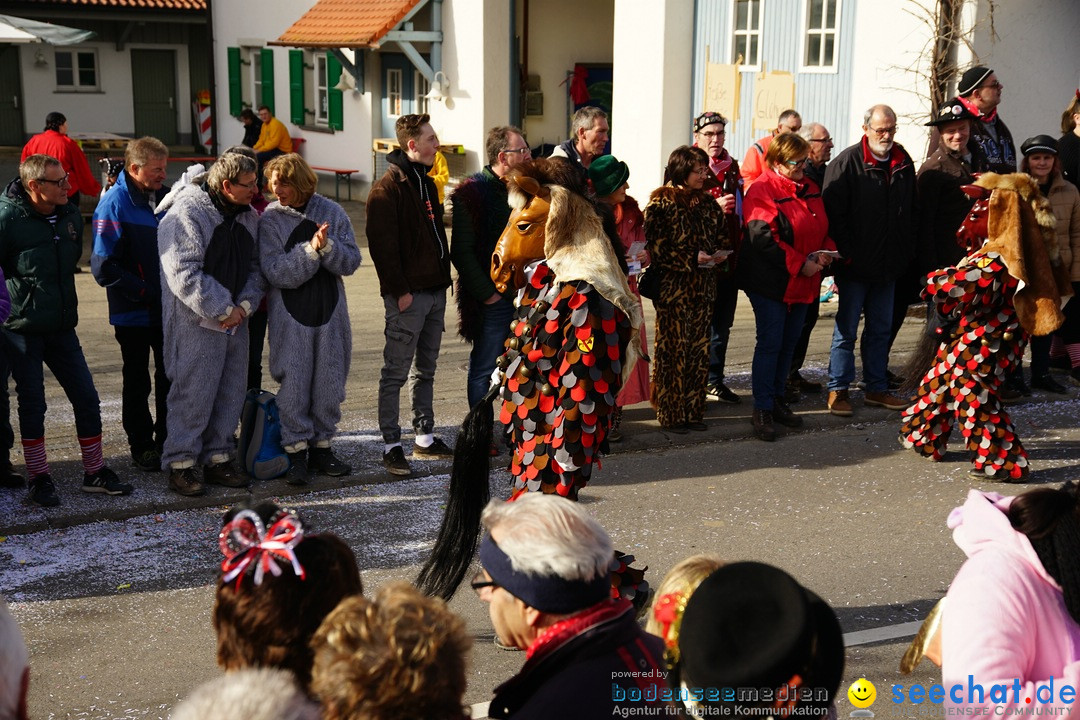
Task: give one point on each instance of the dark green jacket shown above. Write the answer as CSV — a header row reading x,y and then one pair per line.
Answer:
x,y
39,263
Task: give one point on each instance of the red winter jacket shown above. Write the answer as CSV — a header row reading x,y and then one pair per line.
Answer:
x,y
785,222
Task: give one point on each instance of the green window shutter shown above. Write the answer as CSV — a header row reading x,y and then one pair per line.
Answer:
x,y
334,97
296,86
236,98
267,66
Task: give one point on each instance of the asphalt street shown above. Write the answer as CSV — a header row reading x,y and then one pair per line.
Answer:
x,y
114,594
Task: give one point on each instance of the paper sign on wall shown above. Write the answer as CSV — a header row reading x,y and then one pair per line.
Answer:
x,y
722,90
774,93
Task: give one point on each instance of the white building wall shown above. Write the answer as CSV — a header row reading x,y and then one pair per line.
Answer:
x,y
1034,54
652,94
476,60
562,33
110,110
892,72
257,22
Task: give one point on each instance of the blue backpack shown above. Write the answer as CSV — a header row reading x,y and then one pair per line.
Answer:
x,y
259,449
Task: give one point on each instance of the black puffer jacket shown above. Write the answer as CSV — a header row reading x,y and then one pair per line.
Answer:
x,y
39,263
872,213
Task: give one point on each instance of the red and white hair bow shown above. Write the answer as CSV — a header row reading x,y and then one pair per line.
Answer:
x,y
245,540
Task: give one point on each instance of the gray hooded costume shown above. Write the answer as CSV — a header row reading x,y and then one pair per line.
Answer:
x,y
309,330
209,265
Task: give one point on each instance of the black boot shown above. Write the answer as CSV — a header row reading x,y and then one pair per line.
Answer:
x,y
298,468
763,425
782,414
322,461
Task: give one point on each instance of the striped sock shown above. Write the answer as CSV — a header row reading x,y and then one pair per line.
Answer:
x,y
92,459
34,455
1057,348
1074,354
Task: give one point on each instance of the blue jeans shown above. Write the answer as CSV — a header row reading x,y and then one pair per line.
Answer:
x,y
778,328
28,354
723,316
488,346
875,300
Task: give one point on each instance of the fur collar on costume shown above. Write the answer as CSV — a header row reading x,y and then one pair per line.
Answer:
x,y
576,247
1023,230
682,196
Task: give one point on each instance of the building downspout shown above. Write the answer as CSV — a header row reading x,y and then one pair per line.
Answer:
x,y
436,45
515,75
213,82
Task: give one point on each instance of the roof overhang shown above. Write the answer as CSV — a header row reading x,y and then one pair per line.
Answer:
x,y
356,24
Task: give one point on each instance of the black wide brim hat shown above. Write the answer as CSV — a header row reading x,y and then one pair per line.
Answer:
x,y
751,625
949,111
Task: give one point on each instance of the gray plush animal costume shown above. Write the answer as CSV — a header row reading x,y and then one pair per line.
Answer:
x,y
308,319
209,265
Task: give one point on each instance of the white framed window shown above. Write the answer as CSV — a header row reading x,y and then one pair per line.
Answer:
x,y
77,70
256,77
393,93
422,87
819,47
746,33
322,94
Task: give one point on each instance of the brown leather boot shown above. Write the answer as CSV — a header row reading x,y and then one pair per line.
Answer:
x,y
839,404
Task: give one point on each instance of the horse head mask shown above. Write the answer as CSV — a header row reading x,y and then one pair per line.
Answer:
x,y
522,241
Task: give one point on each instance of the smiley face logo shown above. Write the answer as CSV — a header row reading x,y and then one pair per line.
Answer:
x,y
862,693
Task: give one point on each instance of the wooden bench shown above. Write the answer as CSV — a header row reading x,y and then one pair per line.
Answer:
x,y
339,175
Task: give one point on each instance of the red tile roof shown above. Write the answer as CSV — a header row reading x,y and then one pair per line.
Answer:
x,y
346,23
199,5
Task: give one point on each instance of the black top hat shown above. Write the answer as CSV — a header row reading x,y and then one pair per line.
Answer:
x,y
751,625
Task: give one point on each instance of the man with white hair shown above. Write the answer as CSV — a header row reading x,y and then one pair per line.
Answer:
x,y
869,196
14,667
547,584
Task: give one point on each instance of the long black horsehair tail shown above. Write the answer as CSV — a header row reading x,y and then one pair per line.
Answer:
x,y
469,493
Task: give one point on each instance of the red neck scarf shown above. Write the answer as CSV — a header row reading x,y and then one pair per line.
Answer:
x,y
556,635
976,112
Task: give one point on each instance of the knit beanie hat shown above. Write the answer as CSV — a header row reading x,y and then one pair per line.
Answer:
x,y
972,79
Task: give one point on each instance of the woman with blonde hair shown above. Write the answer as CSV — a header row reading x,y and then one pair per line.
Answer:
x,y
307,246
665,616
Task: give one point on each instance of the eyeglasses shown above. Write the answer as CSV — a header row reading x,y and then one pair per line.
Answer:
x,y
711,134
61,182
826,139
520,151
479,583
796,163
882,132
700,171
992,86
249,185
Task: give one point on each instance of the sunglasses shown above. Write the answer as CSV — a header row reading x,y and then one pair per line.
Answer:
x,y
60,182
